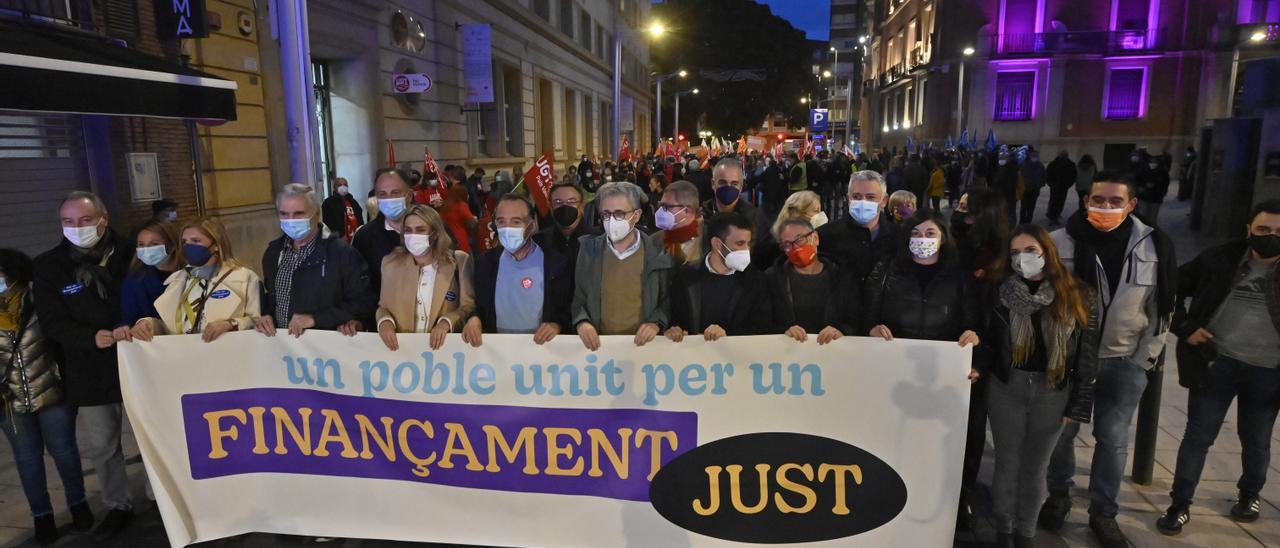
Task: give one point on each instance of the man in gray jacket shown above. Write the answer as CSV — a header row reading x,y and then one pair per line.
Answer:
x,y
1132,267
621,276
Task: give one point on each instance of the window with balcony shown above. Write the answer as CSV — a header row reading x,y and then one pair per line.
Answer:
x,y
1126,92
1015,95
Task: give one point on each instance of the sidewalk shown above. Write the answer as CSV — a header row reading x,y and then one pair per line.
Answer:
x,y
1140,505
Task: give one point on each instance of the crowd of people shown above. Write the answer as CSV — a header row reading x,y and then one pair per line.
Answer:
x,y
1064,325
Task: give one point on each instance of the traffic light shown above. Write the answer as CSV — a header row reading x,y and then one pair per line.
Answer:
x,y
779,136
681,136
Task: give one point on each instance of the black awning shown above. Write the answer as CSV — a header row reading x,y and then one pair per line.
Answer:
x,y
51,70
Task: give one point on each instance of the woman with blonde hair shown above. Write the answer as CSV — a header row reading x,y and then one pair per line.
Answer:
x,y
212,295
426,283
805,206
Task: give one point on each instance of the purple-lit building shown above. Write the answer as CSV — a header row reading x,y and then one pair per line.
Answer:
x,y
1095,76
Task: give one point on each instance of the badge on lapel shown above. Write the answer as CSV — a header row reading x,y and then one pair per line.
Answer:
x,y
72,289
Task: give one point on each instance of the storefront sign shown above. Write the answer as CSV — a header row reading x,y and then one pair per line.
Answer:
x,y
410,83
477,62
181,19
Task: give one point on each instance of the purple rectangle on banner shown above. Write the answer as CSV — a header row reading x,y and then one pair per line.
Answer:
x,y
600,452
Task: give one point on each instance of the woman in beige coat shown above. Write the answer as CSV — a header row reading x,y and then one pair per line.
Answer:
x,y
214,294
426,284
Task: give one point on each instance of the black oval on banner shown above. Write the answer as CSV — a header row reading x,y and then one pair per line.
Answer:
x,y
816,489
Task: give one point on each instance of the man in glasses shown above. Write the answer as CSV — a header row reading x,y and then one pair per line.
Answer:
x,y
620,276
1132,267
811,294
727,180
680,219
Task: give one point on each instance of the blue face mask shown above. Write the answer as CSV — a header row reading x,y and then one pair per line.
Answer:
x,y
392,208
296,229
196,255
511,238
152,255
864,212
727,194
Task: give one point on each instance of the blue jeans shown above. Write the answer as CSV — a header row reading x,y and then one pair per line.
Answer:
x,y
1207,407
52,427
1119,389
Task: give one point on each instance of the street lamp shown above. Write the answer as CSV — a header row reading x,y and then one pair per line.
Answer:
x,y
657,29
826,74
657,131
968,52
804,100
1258,36
676,129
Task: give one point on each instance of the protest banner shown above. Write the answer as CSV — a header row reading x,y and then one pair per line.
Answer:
x,y
746,439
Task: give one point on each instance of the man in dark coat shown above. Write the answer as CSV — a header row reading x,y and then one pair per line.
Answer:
x,y
1061,175
342,212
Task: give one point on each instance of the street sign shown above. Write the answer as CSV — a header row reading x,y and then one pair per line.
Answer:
x,y
818,120
410,83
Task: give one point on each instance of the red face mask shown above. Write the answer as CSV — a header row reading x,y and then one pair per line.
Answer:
x,y
803,255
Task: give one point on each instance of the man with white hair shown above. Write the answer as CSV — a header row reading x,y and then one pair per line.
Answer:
x,y
621,276
312,280
860,240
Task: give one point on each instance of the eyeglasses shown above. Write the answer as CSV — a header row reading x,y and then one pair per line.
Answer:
x,y
617,215
788,246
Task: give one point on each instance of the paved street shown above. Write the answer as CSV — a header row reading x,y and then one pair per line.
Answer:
x,y
1140,505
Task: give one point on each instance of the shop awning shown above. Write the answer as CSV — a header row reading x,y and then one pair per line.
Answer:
x,y
49,70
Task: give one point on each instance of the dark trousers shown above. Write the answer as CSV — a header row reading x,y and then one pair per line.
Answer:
x,y
1057,201
976,438
1207,406
1028,211
54,428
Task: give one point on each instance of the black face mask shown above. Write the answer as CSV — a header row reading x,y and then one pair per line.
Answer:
x,y
565,215
1265,246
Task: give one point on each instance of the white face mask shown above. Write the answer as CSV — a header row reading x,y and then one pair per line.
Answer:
x,y
819,219
923,248
417,244
737,260
617,230
83,237
343,190
1029,265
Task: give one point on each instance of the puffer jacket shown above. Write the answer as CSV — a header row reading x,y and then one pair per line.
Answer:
x,y
31,380
995,355
943,311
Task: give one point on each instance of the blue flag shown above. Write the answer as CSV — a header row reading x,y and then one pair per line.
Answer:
x,y
991,140
911,146
951,144
964,139
973,141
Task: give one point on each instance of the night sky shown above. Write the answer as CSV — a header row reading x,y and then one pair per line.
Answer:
x,y
811,16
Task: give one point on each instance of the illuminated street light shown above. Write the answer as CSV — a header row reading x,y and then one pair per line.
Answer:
x,y
968,51
862,39
1258,36
833,49
683,73
826,74
804,100
695,91
656,29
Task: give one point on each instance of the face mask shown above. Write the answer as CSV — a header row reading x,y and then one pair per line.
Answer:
x,y
296,229
343,190
905,212
196,255
152,255
818,219
1002,162
1029,265
864,212
1153,165
586,174
617,230
923,248
171,216
511,237
417,244
433,182
1105,220
664,220
727,194
392,208
803,255
565,215
83,237
737,260
1265,246
1134,159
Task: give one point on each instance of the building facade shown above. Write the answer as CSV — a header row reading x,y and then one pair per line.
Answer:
x,y
1087,76
848,37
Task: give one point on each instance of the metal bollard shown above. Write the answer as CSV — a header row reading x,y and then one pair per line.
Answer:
x,y
1144,440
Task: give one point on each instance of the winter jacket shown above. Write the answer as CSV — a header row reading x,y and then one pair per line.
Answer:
x,y
1084,177
1207,281
842,312
655,304
331,284
937,183
850,245
749,304
30,361
557,288
942,311
71,315
237,298
995,355
1061,173
333,212
374,242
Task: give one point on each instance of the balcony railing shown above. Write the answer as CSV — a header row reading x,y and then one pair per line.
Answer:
x,y
75,13
1039,43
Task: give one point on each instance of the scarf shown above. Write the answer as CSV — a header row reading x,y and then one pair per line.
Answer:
x,y
91,270
11,308
1088,239
1023,304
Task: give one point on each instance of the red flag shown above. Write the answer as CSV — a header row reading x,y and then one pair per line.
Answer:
x,y
624,155
540,178
429,166
391,153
